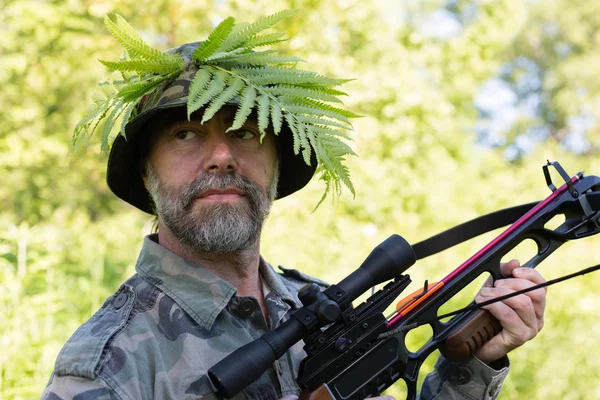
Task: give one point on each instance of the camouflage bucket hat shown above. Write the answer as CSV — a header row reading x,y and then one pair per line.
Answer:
x,y
124,173
225,69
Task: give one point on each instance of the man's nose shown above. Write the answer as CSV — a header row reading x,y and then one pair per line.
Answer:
x,y
220,156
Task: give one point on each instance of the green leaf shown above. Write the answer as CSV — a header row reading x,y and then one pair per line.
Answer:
x,y
263,114
214,41
156,66
258,58
234,88
291,123
245,107
263,40
136,90
200,81
216,85
127,115
322,121
303,109
327,107
294,91
284,75
276,117
110,122
130,39
262,23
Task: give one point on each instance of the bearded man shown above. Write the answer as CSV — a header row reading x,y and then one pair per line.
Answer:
x,y
201,288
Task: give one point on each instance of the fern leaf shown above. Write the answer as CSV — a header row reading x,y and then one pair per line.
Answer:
x,y
133,91
214,41
291,124
276,117
287,76
324,196
245,107
127,114
215,86
288,90
86,127
258,58
200,81
155,66
252,29
306,146
263,40
234,88
310,119
263,114
110,122
303,109
131,40
336,145
325,131
326,107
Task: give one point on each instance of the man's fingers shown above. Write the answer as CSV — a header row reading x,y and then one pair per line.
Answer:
x,y
537,296
511,312
529,274
508,267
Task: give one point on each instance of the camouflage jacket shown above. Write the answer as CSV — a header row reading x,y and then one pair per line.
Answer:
x,y
158,335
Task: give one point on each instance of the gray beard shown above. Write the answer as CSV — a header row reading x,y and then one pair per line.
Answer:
x,y
219,228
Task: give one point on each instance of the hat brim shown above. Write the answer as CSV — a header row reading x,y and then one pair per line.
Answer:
x,y
124,170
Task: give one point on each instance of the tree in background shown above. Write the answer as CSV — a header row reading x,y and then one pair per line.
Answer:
x,y
463,101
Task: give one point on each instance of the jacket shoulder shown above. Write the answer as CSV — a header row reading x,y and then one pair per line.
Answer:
x,y
300,279
84,354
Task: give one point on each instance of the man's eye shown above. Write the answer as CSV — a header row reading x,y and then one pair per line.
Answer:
x,y
244,134
184,134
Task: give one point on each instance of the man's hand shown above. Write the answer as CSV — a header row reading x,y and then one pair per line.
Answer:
x,y
521,317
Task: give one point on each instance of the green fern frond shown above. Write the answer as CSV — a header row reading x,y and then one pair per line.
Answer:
x,y
109,123
263,114
235,85
155,66
127,115
287,76
135,90
214,41
199,82
130,39
325,131
304,143
326,107
215,86
289,91
262,23
337,146
86,127
257,58
303,109
292,125
245,108
322,121
276,117
263,40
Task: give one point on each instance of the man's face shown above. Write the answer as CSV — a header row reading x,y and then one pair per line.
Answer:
x,y
212,188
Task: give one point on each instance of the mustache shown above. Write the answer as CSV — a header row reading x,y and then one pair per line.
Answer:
x,y
224,181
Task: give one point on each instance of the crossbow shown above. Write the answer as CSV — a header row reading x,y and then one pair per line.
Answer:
x,y
356,352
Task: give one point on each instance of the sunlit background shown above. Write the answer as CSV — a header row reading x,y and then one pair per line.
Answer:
x,y
462,103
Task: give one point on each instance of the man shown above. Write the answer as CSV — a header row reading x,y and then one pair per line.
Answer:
x,y
201,288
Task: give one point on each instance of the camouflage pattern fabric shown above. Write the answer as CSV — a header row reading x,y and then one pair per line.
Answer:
x,y
158,335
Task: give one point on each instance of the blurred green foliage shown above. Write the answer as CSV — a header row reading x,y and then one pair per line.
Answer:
x,y
66,242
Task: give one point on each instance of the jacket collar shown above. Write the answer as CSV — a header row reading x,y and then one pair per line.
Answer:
x,y
197,291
